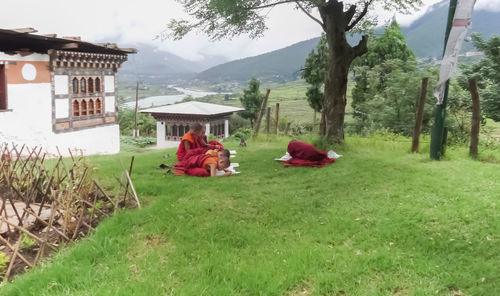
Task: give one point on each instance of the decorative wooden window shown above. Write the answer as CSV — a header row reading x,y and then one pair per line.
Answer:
x,y
91,107
76,108
98,106
3,88
175,131
168,130
91,85
84,108
97,85
83,85
75,85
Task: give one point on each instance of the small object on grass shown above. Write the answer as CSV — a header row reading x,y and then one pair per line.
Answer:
x,y
243,143
166,155
168,172
164,166
333,154
232,152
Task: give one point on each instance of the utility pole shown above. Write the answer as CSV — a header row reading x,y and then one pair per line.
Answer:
x,y
136,108
438,135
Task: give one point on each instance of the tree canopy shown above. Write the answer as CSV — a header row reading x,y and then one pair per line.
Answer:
x,y
228,18
314,73
251,100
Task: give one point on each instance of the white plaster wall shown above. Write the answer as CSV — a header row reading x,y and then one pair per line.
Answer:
x,y
109,83
160,134
30,58
30,121
62,108
109,104
99,140
61,84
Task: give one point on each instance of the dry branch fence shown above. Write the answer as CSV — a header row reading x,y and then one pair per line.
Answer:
x,y
46,205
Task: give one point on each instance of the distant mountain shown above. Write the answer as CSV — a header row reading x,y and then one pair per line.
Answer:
x,y
279,65
425,37
155,66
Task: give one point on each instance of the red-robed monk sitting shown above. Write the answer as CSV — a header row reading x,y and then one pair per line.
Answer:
x,y
190,140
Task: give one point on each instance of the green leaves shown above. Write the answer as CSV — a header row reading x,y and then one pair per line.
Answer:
x,y
251,100
314,73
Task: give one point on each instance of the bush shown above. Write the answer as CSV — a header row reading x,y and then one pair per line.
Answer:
x,y
4,259
139,142
236,122
243,132
146,124
26,242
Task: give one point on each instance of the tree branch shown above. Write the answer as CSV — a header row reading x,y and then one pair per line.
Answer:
x,y
271,4
310,15
362,47
349,14
360,16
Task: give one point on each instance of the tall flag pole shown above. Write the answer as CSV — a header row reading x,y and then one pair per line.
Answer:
x,y
459,20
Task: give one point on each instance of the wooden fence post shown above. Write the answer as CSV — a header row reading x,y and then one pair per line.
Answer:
x,y
420,116
268,120
277,118
287,128
261,113
476,118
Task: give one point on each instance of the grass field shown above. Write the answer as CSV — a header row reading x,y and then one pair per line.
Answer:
x,y
379,221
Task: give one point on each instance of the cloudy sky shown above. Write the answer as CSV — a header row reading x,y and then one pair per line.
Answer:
x,y
140,21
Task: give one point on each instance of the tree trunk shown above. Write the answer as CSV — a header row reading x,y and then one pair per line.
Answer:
x,y
341,55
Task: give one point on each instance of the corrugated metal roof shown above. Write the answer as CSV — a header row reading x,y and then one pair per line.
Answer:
x,y
193,108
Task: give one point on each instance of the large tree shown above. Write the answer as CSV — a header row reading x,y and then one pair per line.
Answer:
x,y
227,18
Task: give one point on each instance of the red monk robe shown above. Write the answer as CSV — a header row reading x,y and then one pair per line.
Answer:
x,y
304,154
202,142
193,141
194,163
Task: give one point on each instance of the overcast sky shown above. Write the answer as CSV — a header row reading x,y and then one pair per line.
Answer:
x,y
141,21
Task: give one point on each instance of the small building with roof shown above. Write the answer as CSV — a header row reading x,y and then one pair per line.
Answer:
x,y
172,121
59,93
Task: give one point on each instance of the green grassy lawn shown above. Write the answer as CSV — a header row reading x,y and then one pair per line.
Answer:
x,y
379,221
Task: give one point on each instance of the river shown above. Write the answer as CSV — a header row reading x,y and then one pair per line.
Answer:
x,y
168,100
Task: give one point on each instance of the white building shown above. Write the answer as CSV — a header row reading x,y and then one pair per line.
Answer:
x,y
173,121
59,93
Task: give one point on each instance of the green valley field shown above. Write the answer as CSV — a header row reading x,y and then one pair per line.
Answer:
x,y
379,221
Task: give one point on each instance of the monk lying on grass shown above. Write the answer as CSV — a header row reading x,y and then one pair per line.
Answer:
x,y
202,163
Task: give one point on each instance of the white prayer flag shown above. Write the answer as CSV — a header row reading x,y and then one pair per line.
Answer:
x,y
460,26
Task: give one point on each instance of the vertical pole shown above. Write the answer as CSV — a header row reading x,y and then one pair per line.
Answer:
x,y
136,108
476,118
277,118
420,116
268,120
287,128
438,136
